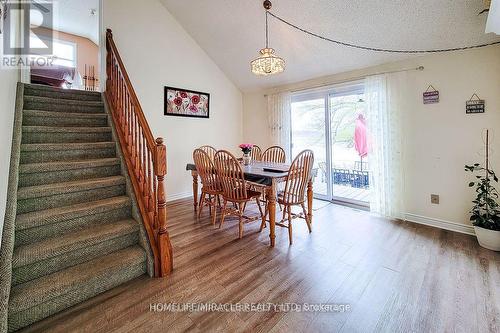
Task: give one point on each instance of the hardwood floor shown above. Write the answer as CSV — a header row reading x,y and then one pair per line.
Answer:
x,y
396,277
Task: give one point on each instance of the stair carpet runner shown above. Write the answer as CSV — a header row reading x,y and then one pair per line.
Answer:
x,y
74,232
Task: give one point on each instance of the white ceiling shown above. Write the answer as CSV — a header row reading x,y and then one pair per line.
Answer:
x,y
493,24
74,17
232,32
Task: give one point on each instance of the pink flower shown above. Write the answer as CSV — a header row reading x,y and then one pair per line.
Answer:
x,y
193,108
195,99
183,94
246,148
178,101
246,145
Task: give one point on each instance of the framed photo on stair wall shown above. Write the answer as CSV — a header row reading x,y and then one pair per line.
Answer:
x,y
186,103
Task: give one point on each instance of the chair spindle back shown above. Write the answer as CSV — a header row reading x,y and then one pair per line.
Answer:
x,y
274,154
298,177
206,170
231,176
211,151
256,153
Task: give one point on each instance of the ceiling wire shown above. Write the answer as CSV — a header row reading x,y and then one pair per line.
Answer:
x,y
377,49
346,80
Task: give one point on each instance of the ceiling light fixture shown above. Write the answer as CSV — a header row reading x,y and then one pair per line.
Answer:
x,y
267,63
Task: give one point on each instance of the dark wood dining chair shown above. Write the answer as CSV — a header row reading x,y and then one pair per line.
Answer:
x,y
274,154
211,187
234,189
256,153
209,150
294,193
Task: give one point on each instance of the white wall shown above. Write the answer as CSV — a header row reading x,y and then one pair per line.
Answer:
x,y
157,52
8,80
255,128
440,138
8,87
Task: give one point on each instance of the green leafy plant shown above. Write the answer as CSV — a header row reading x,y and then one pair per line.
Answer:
x,y
486,210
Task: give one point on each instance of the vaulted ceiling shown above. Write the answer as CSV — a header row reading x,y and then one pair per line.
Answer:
x,y
75,17
232,32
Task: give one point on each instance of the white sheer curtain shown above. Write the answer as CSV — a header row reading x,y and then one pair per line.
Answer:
x,y
279,108
386,98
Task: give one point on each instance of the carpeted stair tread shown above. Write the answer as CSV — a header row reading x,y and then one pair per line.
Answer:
x,y
50,172
47,91
33,87
26,147
30,253
57,104
63,134
67,165
43,113
68,187
51,101
65,119
66,146
59,214
91,275
50,152
59,129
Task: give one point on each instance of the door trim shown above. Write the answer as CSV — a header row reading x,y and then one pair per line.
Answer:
x,y
328,144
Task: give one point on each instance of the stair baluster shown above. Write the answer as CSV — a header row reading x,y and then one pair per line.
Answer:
x,y
145,157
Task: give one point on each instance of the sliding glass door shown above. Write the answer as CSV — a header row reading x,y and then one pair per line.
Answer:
x,y
332,123
309,132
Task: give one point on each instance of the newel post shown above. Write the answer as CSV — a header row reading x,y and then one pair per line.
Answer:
x,y
164,245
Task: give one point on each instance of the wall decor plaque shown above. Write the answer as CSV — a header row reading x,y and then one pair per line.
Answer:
x,y
475,105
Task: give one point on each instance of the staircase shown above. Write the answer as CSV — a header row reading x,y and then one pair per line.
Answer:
x,y
77,231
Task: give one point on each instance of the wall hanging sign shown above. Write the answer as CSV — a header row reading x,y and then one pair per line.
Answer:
x,y
186,103
474,105
431,95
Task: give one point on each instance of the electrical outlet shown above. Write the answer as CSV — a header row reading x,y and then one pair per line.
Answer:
x,y
435,199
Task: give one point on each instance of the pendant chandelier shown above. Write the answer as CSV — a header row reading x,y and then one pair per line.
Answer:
x,y
267,63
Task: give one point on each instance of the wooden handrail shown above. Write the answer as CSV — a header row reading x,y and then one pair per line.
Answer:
x,y
146,158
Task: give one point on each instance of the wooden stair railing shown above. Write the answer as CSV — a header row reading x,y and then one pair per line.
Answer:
x,y
145,157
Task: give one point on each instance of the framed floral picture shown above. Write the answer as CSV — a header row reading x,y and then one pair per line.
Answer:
x,y
186,103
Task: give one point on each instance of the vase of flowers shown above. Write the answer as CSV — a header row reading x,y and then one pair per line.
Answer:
x,y
246,148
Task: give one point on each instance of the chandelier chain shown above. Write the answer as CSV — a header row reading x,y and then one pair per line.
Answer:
x,y
267,30
376,49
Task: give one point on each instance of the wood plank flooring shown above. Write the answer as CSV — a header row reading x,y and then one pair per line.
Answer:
x,y
396,277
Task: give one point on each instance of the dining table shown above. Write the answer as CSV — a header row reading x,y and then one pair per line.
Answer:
x,y
268,175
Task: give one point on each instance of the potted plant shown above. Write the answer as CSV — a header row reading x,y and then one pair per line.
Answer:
x,y
246,148
485,214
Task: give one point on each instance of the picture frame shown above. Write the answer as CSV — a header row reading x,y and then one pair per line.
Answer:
x,y
179,102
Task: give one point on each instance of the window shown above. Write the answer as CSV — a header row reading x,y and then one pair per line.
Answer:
x,y
64,53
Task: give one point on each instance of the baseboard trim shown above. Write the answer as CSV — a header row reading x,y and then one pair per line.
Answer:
x,y
177,196
447,225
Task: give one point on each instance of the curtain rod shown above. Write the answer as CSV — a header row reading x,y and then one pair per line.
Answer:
x,y
419,68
